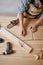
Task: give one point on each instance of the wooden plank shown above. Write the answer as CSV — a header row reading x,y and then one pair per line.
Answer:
x,y
9,35
37,57
15,39
25,46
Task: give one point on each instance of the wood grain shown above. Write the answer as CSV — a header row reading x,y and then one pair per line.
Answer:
x,y
20,57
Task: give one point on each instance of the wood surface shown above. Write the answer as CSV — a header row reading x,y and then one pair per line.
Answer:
x,y
34,40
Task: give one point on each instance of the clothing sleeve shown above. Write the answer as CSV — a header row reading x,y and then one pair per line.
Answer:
x,y
42,15
22,5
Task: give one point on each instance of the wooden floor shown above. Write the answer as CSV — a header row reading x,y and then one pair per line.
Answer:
x,y
20,57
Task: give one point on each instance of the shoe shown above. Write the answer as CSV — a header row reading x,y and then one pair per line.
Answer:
x,y
13,23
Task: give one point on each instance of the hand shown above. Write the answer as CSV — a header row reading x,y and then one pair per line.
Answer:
x,y
23,32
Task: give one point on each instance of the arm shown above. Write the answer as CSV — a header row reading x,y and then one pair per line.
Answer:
x,y
21,10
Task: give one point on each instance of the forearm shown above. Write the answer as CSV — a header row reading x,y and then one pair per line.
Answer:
x,y
21,18
38,21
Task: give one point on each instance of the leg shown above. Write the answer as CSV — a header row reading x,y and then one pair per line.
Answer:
x,y
34,28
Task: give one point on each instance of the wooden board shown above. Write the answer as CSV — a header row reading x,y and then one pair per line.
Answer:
x,y
15,39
